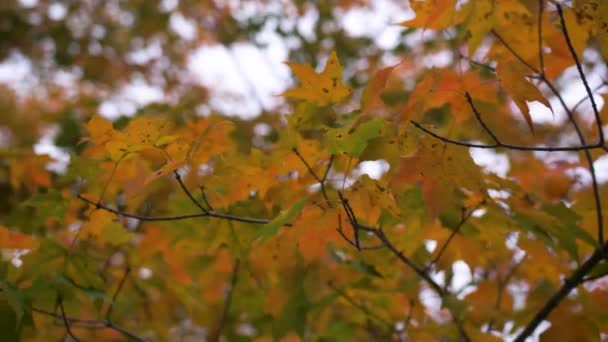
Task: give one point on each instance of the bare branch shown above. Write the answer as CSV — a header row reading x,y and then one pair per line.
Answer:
x,y
570,283
541,59
314,174
65,320
91,323
179,217
227,301
118,289
178,177
579,67
463,219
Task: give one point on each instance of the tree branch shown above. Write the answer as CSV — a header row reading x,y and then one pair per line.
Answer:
x,y
178,177
65,320
579,67
179,217
463,219
118,289
570,283
314,174
91,323
227,301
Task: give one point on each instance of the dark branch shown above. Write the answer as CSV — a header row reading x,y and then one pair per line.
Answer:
x,y
314,174
351,242
91,323
179,217
205,198
479,118
463,219
541,59
118,289
178,177
570,283
65,320
579,67
227,302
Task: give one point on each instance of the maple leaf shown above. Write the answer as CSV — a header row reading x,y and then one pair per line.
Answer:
x,y
512,77
432,14
324,88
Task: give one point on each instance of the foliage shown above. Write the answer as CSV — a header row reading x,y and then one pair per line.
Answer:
x,y
168,224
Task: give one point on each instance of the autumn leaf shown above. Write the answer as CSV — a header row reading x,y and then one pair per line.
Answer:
x,y
352,139
322,89
512,78
414,206
480,19
270,229
15,240
443,169
432,14
371,95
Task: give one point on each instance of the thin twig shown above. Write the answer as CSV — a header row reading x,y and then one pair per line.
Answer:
x,y
227,301
478,116
65,320
579,273
541,59
91,323
595,277
361,307
351,218
205,198
463,219
582,100
502,286
178,177
118,289
579,133
180,217
579,67
314,174
422,273
515,54
352,243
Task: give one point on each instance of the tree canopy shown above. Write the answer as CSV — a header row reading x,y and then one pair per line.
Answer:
x,y
448,186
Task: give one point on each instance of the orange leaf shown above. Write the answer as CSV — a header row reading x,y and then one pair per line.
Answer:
x,y
432,14
512,78
15,240
324,88
371,96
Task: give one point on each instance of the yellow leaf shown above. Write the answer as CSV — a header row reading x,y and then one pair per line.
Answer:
x,y
570,326
100,129
512,78
480,20
443,169
324,88
432,14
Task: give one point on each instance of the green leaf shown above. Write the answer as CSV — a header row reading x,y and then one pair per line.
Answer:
x,y
352,140
115,234
17,302
8,319
48,204
270,229
293,316
96,295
